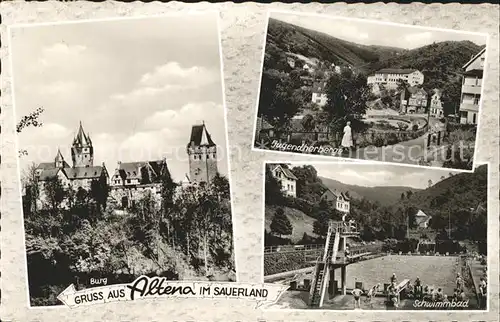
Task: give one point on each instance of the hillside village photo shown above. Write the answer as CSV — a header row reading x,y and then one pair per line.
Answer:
x,y
369,90
123,153
348,236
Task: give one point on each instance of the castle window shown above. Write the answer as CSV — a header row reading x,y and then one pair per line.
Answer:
x,y
208,156
128,180
214,156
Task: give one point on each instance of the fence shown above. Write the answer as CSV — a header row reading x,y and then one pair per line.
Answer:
x,y
292,248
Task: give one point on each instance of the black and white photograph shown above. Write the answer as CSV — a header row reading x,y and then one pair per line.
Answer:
x,y
123,152
361,236
370,90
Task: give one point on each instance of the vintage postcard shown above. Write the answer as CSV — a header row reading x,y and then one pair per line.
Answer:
x,y
123,153
370,90
361,236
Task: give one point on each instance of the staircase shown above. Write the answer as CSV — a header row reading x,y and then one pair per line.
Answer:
x,y
322,271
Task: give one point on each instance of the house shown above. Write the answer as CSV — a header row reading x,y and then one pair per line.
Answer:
x,y
287,179
263,129
422,220
290,61
306,80
340,199
309,68
391,77
132,180
413,100
319,93
471,88
79,175
436,107
338,69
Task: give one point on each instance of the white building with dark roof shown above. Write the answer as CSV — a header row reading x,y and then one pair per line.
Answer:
x,y
390,77
340,199
286,178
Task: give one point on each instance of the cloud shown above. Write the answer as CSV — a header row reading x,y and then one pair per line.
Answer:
x,y
58,88
63,49
186,116
172,73
54,130
57,54
419,39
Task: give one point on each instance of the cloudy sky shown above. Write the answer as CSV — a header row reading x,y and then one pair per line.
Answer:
x,y
375,175
372,33
137,85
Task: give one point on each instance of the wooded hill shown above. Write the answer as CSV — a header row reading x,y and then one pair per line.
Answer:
x,y
458,202
457,192
384,195
440,62
310,43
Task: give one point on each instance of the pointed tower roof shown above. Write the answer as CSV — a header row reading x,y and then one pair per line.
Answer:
x,y
81,138
200,136
59,156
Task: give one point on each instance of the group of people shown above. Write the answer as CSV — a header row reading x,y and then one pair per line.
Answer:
x,y
416,290
428,293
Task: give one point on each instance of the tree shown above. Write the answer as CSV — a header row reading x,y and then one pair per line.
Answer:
x,y
320,226
277,104
273,194
308,123
347,97
99,191
280,225
54,190
29,120
30,183
450,99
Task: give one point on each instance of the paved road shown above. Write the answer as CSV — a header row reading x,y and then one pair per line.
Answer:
x,y
408,152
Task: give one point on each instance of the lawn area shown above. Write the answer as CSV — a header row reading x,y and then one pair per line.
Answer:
x,y
301,222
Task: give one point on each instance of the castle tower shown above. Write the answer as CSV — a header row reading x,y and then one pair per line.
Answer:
x,y
59,160
82,151
202,152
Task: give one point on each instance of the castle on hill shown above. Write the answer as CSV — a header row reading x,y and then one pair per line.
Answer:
x,y
130,180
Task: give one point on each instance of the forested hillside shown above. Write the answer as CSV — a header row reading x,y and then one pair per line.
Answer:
x,y
439,62
291,38
385,195
457,202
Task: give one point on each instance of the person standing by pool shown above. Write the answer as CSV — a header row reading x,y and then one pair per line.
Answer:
x,y
372,293
418,288
357,297
347,138
393,279
459,281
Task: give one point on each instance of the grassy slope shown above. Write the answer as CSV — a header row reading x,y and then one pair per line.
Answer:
x,y
301,222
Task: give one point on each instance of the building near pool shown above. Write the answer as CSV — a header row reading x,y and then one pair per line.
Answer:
x,y
472,78
340,199
286,178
